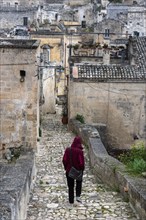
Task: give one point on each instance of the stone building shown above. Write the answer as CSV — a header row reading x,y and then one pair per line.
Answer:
x,y
132,17
109,29
18,94
114,10
16,3
77,3
114,95
136,20
53,75
11,16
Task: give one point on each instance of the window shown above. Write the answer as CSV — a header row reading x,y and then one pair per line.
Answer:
x,y
46,55
22,75
83,24
136,33
25,21
106,34
56,17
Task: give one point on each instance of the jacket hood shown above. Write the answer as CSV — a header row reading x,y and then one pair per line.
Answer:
x,y
77,143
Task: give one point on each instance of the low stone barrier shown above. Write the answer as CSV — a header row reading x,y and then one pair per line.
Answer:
x,y
111,171
16,180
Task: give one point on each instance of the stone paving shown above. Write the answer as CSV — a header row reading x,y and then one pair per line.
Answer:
x,y
49,198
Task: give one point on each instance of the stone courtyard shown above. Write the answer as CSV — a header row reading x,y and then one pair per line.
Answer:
x,y
49,198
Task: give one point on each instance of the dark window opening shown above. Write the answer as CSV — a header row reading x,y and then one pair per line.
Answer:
x,y
106,34
25,21
56,17
136,33
83,24
22,73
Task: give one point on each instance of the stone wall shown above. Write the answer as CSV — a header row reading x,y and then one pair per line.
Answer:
x,y
49,90
76,2
18,100
121,106
110,24
19,2
54,80
10,19
136,20
113,10
17,181
111,171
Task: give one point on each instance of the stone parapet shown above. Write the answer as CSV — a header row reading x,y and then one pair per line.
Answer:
x,y
111,171
16,181
4,8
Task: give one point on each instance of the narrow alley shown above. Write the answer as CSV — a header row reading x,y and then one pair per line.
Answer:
x,y
49,199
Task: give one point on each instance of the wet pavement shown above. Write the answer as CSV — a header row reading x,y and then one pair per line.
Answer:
x,y
49,198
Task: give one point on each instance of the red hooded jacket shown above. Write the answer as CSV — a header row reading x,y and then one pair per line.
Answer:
x,y
77,156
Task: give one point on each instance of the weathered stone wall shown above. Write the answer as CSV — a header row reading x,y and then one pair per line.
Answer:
x,y
17,180
76,2
112,25
10,19
111,171
18,100
113,10
136,20
20,2
55,84
49,90
121,106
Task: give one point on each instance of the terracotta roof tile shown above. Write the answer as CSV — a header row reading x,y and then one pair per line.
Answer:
x,y
118,72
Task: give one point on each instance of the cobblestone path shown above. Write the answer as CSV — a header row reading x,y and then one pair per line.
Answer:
x,y
49,199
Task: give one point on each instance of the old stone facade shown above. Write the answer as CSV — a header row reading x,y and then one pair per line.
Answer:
x,y
136,21
12,18
18,94
77,3
109,29
114,95
120,106
18,2
132,17
53,75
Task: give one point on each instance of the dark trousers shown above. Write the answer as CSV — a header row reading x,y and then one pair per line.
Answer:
x,y
71,184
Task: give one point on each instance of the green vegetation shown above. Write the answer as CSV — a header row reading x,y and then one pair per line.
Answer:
x,y
76,46
135,159
41,182
80,118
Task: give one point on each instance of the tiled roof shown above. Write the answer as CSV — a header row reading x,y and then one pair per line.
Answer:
x,y
105,72
118,72
139,52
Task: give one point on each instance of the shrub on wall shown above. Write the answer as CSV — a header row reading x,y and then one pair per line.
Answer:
x,y
80,118
135,159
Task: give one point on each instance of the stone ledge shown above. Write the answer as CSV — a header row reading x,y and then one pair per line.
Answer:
x,y
111,171
16,181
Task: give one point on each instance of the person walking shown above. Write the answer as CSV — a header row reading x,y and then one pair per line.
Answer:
x,y
76,152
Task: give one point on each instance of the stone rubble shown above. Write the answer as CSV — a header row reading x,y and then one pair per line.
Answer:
x,y
49,197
